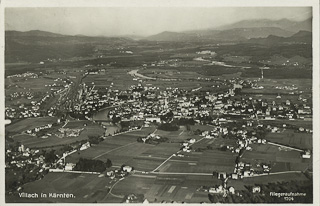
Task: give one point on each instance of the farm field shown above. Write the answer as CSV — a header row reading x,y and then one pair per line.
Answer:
x,y
119,149
296,123
50,141
177,136
201,162
85,187
291,138
169,188
280,160
239,184
209,160
117,78
30,123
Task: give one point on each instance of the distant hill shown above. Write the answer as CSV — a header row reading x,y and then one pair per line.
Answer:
x,y
235,35
248,33
35,33
284,24
35,46
172,36
301,37
239,32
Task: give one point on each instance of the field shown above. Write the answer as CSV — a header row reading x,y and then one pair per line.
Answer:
x,y
30,123
295,123
124,149
251,181
50,141
167,188
88,188
207,161
119,149
280,160
272,88
290,138
85,187
111,78
38,87
177,136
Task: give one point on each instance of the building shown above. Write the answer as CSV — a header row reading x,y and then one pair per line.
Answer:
x,y
153,119
222,175
306,155
127,168
256,189
85,146
69,166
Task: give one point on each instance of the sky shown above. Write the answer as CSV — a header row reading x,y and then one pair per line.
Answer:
x,y
141,21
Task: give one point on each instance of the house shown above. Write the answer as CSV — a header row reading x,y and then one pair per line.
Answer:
x,y
222,175
127,169
231,190
216,190
246,173
256,189
306,155
85,146
153,119
145,201
234,176
110,173
191,141
69,166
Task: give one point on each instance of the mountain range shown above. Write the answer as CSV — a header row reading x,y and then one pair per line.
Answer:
x,y
239,31
37,45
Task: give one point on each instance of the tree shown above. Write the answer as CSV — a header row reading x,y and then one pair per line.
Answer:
x,y
90,165
108,163
50,157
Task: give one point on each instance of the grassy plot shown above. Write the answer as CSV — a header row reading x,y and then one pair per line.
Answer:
x,y
280,160
290,138
84,187
209,160
120,149
30,123
152,158
204,162
51,141
177,136
166,188
239,184
296,123
119,78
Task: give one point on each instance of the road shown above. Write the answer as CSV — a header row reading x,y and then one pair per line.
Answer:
x,y
173,155
135,73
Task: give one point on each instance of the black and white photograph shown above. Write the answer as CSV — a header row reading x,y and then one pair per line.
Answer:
x,y
160,102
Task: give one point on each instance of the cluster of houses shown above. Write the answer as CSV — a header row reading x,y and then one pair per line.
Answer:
x,y
120,173
32,107
24,157
68,132
186,146
151,137
151,103
88,100
38,129
242,170
24,75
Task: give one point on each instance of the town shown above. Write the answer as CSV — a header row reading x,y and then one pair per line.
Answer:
x,y
220,115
